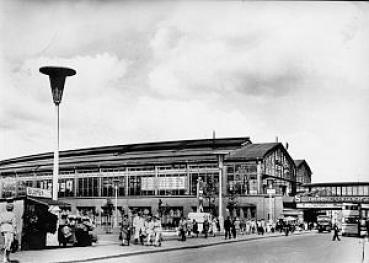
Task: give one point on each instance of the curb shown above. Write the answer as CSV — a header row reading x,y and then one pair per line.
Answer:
x,y
144,252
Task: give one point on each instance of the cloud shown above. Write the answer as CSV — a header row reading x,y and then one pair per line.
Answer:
x,y
159,71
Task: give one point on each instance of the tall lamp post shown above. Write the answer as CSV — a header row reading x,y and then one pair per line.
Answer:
x,y
57,77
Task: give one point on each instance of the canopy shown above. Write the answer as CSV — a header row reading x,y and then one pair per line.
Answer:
x,y
49,202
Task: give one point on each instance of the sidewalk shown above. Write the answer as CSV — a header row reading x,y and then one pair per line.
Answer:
x,y
106,248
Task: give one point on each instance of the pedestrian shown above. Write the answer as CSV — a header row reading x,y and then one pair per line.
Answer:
x,y
195,228
367,228
253,226
335,233
242,226
189,227
286,228
125,230
227,228
182,227
157,230
233,228
214,224
8,228
205,227
144,234
248,227
150,238
137,224
64,230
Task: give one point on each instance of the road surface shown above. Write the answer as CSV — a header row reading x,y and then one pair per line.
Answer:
x,y
312,248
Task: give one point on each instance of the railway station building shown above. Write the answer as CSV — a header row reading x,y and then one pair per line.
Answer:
x,y
163,176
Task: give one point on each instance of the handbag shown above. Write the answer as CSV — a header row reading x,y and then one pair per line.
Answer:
x,y
14,246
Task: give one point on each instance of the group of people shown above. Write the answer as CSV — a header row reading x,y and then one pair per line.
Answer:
x,y
246,227
76,230
146,230
190,228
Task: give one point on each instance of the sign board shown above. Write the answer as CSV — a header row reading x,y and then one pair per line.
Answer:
x,y
332,199
38,192
163,183
270,191
319,205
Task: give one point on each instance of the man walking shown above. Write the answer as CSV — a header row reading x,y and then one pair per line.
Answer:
x,y
227,228
335,235
182,227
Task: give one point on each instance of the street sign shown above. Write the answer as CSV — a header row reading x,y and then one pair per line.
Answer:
x,y
38,192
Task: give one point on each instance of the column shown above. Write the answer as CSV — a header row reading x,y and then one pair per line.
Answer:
x,y
156,181
221,177
259,177
126,182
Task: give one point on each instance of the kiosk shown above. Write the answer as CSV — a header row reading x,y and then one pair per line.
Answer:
x,y
34,217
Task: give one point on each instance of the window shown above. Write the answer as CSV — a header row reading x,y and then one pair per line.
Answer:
x,y
334,191
134,185
344,192
349,190
88,186
361,190
109,183
355,190
339,192
366,189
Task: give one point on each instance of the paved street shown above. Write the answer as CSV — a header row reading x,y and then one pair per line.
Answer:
x,y
300,247
310,248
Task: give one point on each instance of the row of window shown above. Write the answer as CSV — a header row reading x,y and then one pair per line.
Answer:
x,y
356,190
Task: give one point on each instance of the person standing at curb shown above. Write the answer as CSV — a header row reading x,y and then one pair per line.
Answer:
x,y
206,227
157,230
138,224
182,228
214,226
189,227
8,228
195,228
125,231
335,233
233,228
227,228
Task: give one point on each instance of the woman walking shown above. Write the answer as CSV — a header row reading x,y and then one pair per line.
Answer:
x,y
8,230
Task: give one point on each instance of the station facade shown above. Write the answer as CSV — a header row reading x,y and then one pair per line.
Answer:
x,y
164,176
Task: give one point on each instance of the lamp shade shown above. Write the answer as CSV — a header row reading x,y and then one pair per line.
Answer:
x,y
57,77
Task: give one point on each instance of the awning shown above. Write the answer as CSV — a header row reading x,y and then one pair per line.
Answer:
x,y
49,202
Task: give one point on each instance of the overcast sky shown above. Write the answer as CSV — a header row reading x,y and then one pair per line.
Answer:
x,y
171,70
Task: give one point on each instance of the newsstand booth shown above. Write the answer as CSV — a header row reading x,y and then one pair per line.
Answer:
x,y
34,220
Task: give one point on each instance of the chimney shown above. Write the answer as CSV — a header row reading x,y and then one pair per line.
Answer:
x,y
276,138
213,134
286,145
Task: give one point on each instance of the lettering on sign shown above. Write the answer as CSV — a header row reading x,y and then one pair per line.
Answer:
x,y
319,205
38,192
332,199
163,183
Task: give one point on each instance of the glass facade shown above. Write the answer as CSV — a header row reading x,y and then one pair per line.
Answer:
x,y
341,190
167,180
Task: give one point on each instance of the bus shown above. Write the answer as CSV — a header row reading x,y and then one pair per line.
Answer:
x,y
324,223
350,219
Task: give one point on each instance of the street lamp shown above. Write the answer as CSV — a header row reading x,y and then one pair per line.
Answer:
x,y
57,77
